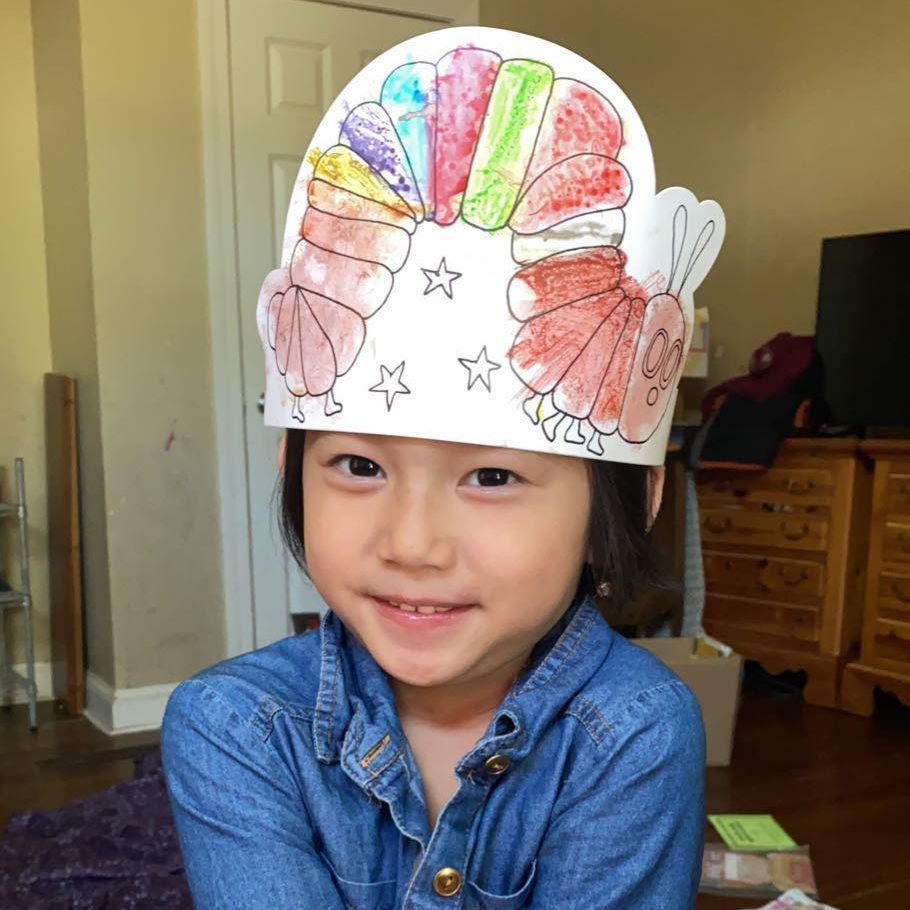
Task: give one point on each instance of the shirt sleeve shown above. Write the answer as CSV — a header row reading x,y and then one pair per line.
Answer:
x,y
628,829
243,827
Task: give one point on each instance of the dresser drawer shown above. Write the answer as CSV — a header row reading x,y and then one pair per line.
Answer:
x,y
786,485
750,527
896,542
778,621
763,576
890,645
897,489
893,596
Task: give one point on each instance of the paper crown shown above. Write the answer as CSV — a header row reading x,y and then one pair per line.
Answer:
x,y
474,252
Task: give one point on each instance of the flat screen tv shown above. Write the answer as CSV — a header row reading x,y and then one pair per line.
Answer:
x,y
863,328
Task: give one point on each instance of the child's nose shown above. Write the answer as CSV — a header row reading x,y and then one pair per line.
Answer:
x,y
416,534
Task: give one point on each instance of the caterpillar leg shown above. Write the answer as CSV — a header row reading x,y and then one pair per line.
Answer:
x,y
330,406
531,407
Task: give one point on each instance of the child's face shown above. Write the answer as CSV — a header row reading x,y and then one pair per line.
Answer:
x,y
501,530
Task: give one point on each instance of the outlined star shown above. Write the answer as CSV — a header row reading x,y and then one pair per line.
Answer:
x,y
479,368
440,278
390,383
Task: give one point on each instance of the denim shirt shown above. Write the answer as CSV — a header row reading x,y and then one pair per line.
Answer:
x,y
293,784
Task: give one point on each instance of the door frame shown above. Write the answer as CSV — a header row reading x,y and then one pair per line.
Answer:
x,y
223,289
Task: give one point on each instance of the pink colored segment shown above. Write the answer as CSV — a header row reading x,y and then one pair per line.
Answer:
x,y
658,359
369,240
344,328
465,80
337,201
303,352
364,286
576,186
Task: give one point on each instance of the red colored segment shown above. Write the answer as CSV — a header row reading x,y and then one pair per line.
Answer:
x,y
578,389
547,345
562,278
612,392
578,119
575,186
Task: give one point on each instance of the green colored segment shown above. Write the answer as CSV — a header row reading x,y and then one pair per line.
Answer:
x,y
506,142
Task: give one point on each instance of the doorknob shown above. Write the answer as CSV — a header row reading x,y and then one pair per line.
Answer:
x,y
260,403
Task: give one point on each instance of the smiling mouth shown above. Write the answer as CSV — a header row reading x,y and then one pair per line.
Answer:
x,y
427,607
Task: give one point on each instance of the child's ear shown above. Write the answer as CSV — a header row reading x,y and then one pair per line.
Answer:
x,y
282,449
656,475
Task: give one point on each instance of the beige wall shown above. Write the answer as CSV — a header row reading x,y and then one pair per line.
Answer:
x,y
25,353
64,181
120,302
142,128
792,113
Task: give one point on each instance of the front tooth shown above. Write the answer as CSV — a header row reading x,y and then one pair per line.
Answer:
x,y
407,608
426,609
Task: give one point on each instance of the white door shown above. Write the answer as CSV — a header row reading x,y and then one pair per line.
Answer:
x,y
288,60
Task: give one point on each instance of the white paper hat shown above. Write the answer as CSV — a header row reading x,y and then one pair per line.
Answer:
x,y
474,252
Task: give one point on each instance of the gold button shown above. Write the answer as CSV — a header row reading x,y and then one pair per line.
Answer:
x,y
496,764
447,882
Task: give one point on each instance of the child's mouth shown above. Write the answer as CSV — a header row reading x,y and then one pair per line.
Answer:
x,y
416,614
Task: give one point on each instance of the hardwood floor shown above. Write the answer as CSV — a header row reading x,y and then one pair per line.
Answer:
x,y
837,782
834,781
66,758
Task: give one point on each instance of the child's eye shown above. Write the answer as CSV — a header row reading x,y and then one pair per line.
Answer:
x,y
493,477
356,466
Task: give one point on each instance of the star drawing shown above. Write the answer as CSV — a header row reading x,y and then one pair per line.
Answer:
x,y
390,383
440,277
479,368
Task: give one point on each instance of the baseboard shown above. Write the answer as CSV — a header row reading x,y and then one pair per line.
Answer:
x,y
125,710
43,681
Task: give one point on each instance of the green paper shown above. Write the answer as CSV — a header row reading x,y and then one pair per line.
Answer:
x,y
752,832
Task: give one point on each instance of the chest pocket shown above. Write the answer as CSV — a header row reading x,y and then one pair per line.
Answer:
x,y
476,898
363,895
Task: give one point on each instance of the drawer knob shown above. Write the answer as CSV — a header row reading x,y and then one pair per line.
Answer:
x,y
790,534
899,591
903,542
718,526
800,487
794,580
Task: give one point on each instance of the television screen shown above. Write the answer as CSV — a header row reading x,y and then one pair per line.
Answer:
x,y
863,328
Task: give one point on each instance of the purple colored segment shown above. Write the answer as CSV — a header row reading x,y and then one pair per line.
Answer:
x,y
369,132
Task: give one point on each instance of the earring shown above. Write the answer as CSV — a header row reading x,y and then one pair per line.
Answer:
x,y
603,589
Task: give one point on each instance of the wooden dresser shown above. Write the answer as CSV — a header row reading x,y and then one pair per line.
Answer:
x,y
784,553
885,657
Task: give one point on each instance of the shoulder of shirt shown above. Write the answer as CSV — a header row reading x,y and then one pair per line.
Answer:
x,y
632,690
283,675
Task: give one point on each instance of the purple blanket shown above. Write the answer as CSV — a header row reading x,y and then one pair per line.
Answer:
x,y
115,850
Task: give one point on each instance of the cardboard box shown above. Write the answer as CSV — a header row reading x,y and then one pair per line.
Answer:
x,y
715,679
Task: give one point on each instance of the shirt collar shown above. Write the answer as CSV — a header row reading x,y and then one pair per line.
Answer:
x,y
355,704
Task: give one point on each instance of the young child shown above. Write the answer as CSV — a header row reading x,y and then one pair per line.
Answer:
x,y
474,346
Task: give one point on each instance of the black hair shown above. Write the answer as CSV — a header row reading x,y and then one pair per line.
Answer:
x,y
618,537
